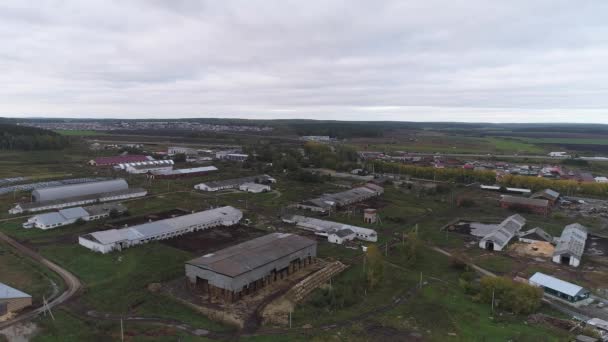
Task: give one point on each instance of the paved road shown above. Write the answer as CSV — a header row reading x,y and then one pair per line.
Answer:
x,y
72,283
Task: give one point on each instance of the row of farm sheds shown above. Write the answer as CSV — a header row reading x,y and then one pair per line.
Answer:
x,y
140,164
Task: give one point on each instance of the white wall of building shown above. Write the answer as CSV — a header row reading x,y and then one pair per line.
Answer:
x,y
574,261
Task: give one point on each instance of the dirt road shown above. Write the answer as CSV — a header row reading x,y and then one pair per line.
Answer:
x,y
72,283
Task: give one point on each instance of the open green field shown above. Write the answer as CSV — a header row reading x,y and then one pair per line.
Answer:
x,y
25,275
440,308
576,141
70,132
453,144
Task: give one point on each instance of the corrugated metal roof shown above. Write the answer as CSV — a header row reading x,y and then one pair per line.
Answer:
x,y
7,292
506,230
49,219
237,181
73,213
186,171
536,233
244,257
572,241
556,284
119,159
75,190
547,194
170,225
33,205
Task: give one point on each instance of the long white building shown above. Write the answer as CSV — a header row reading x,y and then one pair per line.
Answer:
x,y
152,166
334,231
234,183
78,201
116,239
69,216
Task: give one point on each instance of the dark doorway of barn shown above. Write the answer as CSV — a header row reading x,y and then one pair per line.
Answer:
x,y
490,245
565,259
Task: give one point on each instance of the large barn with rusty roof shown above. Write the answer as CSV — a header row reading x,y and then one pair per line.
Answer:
x,y
242,269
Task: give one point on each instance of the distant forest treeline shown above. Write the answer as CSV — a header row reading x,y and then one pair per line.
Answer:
x,y
13,137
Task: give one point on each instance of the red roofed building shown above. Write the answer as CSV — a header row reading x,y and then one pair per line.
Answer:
x,y
111,161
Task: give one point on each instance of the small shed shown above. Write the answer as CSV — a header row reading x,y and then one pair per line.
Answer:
x,y
535,235
550,195
12,300
341,235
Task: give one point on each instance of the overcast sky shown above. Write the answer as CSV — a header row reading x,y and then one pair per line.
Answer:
x,y
425,60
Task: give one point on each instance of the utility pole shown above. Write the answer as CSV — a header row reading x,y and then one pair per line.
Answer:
x,y
492,300
290,311
364,258
122,331
420,284
47,307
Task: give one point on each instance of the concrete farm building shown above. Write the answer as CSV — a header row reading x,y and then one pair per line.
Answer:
x,y
116,239
534,205
69,216
115,160
334,231
234,183
77,195
242,269
326,202
12,300
571,245
498,239
67,191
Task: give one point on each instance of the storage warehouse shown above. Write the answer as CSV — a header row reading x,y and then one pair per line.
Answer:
x,y
537,206
116,239
78,201
75,190
559,288
329,228
571,245
115,160
184,173
550,195
506,230
149,167
340,199
12,300
69,216
242,269
255,188
234,183
173,150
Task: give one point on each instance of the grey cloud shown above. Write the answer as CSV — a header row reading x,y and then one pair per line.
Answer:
x,y
357,60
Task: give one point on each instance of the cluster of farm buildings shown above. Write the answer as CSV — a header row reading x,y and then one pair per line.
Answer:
x,y
227,274
231,273
552,171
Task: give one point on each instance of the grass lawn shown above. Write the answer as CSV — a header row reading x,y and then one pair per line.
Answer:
x,y
27,276
76,132
456,144
440,308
